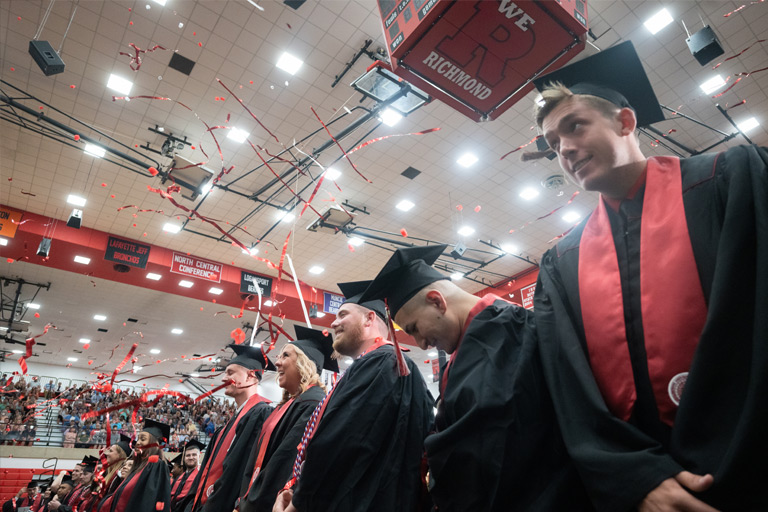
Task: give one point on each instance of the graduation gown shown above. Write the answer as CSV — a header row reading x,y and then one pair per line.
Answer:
x,y
721,423
497,445
224,490
280,454
180,489
147,489
367,448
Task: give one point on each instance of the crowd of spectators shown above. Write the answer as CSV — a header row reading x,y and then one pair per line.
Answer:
x,y
19,419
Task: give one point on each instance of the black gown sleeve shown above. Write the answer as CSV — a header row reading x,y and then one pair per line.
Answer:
x,y
152,490
366,452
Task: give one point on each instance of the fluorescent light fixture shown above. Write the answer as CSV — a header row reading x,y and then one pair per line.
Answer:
x,y
119,84
84,340
216,291
316,270
32,305
252,251
82,259
194,374
100,318
161,2
137,368
432,353
186,284
238,135
404,205
748,124
571,216
320,314
76,200
17,351
529,193
72,359
268,303
712,84
261,9
456,276
170,227
467,159
356,241
466,230
284,216
658,21
94,150
332,174
289,63
509,248
3,241
176,330
206,188
390,117
153,276
154,351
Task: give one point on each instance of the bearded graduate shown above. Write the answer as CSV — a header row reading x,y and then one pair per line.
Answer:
x,y
217,485
148,485
299,364
182,484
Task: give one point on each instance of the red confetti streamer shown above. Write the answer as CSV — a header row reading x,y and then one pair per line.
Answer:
x,y
743,7
339,145
37,315
86,346
742,102
404,233
573,196
238,335
29,194
136,58
248,110
377,139
518,148
153,171
741,52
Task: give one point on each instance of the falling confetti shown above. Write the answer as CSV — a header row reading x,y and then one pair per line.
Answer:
x,y
478,208
404,233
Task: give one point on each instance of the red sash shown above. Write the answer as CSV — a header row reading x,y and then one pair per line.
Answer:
x,y
672,301
477,308
182,486
266,434
215,467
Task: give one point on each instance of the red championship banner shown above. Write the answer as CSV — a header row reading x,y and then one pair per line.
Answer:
x,y
527,295
196,267
9,221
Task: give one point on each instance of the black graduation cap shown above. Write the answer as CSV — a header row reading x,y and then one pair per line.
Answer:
x,y
353,291
89,463
161,431
33,483
68,481
407,271
125,444
250,357
178,460
194,443
616,75
317,346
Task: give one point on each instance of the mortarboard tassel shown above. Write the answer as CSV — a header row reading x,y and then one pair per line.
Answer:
x,y
402,367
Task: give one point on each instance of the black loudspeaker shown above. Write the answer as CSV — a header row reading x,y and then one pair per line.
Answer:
x,y
705,45
75,219
46,57
45,247
458,250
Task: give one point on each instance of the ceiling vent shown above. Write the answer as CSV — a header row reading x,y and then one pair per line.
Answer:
x,y
181,64
332,220
410,172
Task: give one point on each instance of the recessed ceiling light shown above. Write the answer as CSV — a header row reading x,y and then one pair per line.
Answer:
x,y
268,303
432,353
332,173
289,63
186,284
84,340
161,2
284,216
170,227
748,124
571,216
72,359
153,276
94,150
119,84
32,305
238,135
251,252
194,374
390,117
206,188
3,241
255,5
509,248
456,276
404,205
82,259
76,200
176,330
467,159
712,84
466,230
658,21
17,351
529,193
356,241
100,318
137,368
216,291
154,351
316,270
320,314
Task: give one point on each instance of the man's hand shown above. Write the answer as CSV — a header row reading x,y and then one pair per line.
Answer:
x,y
54,505
672,494
283,502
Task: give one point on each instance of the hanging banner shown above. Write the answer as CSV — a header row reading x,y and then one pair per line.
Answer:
x,y
127,252
196,267
250,282
9,221
527,295
332,302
